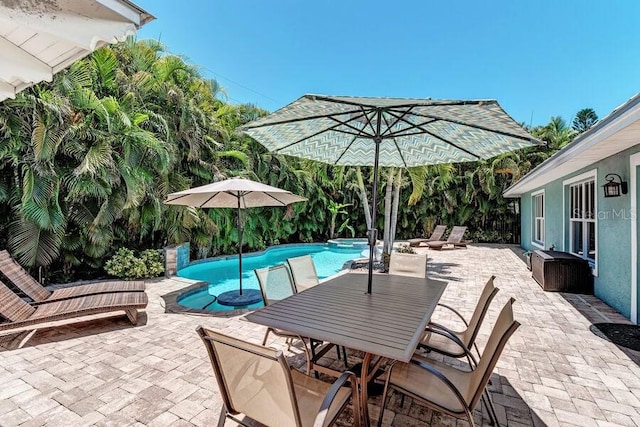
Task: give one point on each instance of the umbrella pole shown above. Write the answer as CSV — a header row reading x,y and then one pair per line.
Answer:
x,y
373,232
240,245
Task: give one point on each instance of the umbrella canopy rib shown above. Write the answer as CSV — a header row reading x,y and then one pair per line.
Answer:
x,y
395,143
474,126
331,128
208,200
299,119
396,121
345,151
402,103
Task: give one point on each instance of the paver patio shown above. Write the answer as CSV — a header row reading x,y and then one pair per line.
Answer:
x,y
553,371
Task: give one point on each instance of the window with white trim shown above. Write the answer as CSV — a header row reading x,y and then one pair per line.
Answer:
x,y
538,218
582,220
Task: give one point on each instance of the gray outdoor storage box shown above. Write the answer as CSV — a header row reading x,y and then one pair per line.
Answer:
x,y
561,271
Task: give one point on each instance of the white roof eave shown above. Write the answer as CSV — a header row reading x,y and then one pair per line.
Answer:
x,y
599,142
38,39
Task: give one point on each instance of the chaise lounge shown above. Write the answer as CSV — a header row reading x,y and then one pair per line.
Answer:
x,y
454,239
437,234
19,277
19,313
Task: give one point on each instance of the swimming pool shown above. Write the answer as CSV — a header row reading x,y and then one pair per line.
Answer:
x,y
222,273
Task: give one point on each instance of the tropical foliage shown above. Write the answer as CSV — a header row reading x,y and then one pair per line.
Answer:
x,y
86,162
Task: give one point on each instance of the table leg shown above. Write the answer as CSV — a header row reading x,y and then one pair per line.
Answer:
x,y
364,395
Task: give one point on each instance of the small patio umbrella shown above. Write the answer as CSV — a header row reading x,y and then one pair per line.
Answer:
x,y
349,131
236,193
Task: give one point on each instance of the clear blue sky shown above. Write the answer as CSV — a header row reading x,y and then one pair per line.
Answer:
x,y
537,58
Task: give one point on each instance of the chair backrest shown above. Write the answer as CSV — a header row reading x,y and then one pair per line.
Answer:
x,y
21,279
414,265
438,232
253,380
456,235
12,307
504,327
303,272
275,283
488,292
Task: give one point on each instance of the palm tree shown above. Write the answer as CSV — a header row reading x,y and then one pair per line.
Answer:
x,y
557,134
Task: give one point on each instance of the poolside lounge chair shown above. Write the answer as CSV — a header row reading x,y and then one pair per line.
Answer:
x,y
456,344
454,239
19,313
437,234
303,271
39,294
414,265
446,388
257,385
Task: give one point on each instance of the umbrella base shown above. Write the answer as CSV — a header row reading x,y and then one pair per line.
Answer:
x,y
233,298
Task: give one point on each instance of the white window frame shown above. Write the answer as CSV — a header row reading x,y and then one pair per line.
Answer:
x,y
534,204
591,175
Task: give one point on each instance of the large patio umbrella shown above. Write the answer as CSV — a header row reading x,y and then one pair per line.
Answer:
x,y
40,38
241,194
349,131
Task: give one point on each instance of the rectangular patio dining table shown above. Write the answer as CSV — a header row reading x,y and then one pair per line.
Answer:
x,y
388,322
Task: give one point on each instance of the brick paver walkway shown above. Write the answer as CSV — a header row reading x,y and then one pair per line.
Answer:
x,y
554,371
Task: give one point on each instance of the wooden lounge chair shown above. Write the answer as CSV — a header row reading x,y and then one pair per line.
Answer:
x,y
437,234
19,313
454,239
19,277
446,388
303,271
458,344
414,265
257,385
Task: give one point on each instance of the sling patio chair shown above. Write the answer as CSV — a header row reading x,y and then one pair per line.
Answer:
x,y
303,271
257,385
276,283
18,313
448,389
454,239
304,274
414,265
22,280
437,234
458,344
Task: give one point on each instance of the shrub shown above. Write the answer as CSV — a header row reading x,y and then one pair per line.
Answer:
x,y
126,265
405,249
154,261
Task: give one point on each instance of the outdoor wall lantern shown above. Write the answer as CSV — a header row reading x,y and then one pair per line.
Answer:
x,y
613,188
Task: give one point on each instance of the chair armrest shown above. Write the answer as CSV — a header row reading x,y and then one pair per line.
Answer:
x,y
442,330
331,395
455,311
436,328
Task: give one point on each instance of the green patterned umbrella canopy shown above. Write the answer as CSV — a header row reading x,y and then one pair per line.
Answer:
x,y
351,131
342,130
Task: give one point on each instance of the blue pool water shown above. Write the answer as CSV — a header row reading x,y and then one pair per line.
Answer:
x,y
222,273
